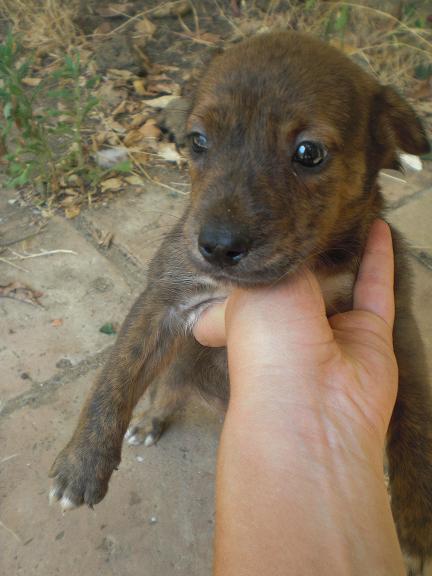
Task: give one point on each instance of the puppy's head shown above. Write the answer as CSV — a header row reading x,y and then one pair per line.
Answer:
x,y
286,139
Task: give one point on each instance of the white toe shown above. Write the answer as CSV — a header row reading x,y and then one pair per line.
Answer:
x,y
149,440
67,504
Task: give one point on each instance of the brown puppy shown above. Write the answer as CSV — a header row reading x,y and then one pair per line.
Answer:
x,y
287,137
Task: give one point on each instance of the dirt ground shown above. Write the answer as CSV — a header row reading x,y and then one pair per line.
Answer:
x,y
158,516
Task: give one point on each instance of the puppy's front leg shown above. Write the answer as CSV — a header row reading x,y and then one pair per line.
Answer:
x,y
145,345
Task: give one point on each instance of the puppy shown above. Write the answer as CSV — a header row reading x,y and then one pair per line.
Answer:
x,y
286,138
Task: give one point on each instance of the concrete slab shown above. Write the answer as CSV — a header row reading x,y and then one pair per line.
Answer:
x,y
81,292
422,298
414,220
157,518
139,220
398,187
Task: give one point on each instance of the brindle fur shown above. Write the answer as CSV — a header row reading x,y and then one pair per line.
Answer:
x,y
253,103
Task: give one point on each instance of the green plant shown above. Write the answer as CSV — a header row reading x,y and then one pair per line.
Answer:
x,y
338,22
44,124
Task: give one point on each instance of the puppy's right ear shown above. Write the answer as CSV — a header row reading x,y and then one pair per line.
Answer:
x,y
396,127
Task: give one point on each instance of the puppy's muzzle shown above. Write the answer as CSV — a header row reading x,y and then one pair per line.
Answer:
x,y
223,246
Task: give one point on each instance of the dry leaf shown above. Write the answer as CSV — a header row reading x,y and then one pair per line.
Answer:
x,y
122,74
115,126
140,87
57,322
72,212
112,184
168,152
102,29
160,102
120,108
180,8
168,87
138,120
31,81
105,239
115,10
18,291
145,27
132,138
150,130
134,180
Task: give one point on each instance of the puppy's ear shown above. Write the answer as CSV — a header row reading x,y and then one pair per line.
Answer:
x,y
396,127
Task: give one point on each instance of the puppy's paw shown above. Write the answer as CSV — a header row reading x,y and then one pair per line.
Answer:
x,y
81,475
146,432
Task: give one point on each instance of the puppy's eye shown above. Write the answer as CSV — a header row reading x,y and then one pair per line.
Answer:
x,y
310,154
199,142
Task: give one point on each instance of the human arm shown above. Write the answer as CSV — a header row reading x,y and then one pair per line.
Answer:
x,y
300,486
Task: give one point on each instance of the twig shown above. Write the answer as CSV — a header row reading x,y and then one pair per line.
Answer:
x,y
11,242
43,253
14,534
132,18
5,261
6,458
189,36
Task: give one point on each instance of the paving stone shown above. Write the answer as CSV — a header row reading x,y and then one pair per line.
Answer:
x,y
414,220
138,220
422,299
157,518
398,187
81,292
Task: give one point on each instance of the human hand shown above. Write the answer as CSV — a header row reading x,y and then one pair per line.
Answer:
x,y
334,379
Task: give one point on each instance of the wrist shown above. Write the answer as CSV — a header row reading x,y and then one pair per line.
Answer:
x,y
322,496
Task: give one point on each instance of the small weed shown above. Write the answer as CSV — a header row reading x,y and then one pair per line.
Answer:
x,y
43,134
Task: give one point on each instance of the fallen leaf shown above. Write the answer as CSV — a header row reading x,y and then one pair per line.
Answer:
x,y
123,74
180,8
167,87
132,138
138,119
134,180
72,212
114,125
168,152
120,108
150,130
102,29
140,87
57,322
112,184
106,239
21,292
160,102
31,81
145,27
115,10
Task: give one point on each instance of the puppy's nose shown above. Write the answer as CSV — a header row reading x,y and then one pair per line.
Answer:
x,y
221,246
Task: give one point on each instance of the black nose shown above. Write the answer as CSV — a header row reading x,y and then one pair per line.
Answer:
x,y
221,246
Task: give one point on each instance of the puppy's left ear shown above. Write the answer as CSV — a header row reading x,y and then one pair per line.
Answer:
x,y
397,127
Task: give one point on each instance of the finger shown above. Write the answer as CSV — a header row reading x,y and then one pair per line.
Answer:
x,y
210,328
373,290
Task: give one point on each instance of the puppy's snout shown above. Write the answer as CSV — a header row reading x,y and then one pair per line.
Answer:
x,y
222,246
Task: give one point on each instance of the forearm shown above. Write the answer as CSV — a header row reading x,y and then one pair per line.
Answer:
x,y
293,505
